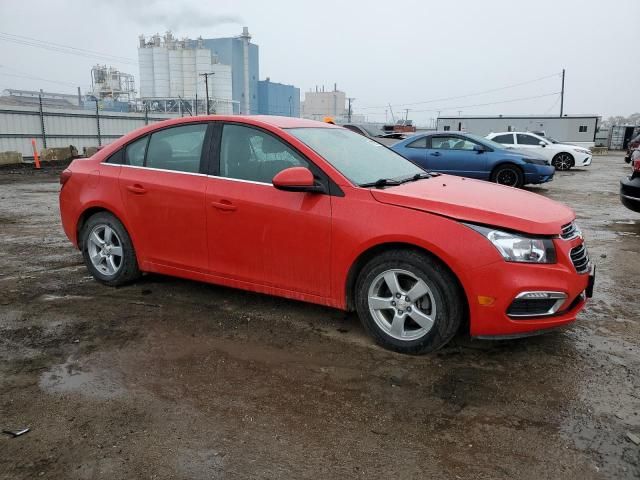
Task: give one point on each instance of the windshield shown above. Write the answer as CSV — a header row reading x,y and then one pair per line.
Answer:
x,y
358,158
552,140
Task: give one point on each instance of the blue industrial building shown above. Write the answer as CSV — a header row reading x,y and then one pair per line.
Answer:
x,y
230,51
278,99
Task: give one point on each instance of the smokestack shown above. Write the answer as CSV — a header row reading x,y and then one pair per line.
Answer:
x,y
245,50
335,87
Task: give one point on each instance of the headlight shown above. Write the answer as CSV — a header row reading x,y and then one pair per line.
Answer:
x,y
518,248
583,150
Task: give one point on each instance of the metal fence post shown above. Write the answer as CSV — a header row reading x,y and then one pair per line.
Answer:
x,y
44,133
146,114
98,123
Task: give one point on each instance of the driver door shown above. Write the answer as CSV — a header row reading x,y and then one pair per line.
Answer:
x,y
256,233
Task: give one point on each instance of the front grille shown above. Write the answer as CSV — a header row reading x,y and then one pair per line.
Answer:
x,y
569,231
580,258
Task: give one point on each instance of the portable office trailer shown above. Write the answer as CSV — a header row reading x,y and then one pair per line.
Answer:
x,y
580,130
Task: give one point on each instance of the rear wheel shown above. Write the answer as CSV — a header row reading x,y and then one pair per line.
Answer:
x,y
107,250
408,302
563,161
509,175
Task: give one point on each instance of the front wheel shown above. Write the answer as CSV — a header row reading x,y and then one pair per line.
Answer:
x,y
409,302
563,161
108,251
508,175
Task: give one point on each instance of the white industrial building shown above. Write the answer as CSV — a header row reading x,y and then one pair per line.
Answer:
x,y
578,129
320,104
171,75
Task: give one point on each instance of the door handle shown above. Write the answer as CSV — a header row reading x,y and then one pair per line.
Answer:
x,y
224,205
137,189
435,154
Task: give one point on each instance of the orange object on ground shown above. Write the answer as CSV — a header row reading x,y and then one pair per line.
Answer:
x,y
35,154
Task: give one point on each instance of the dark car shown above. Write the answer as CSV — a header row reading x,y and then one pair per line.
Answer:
x,y
376,133
467,155
630,188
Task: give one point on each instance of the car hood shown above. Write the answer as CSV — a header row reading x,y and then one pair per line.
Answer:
x,y
481,202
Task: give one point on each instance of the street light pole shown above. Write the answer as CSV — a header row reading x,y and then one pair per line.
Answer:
x,y
206,86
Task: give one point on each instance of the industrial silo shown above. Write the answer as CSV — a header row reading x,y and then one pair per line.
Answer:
x,y
189,77
176,85
161,71
145,59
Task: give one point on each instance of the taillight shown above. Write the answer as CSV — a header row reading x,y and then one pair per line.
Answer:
x,y
65,175
635,164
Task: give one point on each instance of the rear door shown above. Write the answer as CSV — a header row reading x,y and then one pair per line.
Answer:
x,y
163,190
257,233
506,139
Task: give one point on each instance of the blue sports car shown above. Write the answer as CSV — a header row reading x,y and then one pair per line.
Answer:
x,y
467,155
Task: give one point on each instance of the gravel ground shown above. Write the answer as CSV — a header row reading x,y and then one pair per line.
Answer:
x,y
174,379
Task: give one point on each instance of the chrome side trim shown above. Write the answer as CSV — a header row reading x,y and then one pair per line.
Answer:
x,y
240,180
155,169
560,298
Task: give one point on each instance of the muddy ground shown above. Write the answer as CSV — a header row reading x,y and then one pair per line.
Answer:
x,y
175,379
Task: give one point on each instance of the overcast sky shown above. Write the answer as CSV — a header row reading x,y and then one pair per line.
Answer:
x,y
379,52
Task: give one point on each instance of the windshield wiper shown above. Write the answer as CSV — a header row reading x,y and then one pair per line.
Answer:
x,y
381,182
417,176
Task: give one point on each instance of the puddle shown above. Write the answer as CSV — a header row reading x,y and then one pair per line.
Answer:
x,y
72,377
52,298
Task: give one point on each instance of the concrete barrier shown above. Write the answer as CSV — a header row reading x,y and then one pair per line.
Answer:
x,y
61,153
10,158
89,151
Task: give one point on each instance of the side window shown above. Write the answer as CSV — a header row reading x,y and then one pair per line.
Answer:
x,y
116,158
250,154
177,148
582,128
447,128
446,143
134,153
524,139
420,143
506,139
462,144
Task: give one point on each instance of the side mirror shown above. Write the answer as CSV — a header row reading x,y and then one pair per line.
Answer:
x,y
542,144
478,148
296,179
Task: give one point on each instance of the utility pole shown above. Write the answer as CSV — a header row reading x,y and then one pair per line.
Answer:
x,y
562,95
350,99
206,86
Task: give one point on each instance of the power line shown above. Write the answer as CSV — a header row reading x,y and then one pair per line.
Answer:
x,y
506,87
31,77
56,47
490,103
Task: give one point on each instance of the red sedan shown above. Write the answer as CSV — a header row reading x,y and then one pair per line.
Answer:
x,y
315,212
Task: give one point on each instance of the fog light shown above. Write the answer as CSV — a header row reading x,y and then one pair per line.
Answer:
x,y
536,304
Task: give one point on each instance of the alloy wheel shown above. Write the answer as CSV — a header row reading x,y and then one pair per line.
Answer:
x,y
563,161
507,177
105,250
402,304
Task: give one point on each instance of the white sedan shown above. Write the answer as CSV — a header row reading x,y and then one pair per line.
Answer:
x,y
563,156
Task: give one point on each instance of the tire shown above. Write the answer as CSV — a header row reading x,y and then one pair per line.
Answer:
x,y
509,175
439,306
563,161
108,251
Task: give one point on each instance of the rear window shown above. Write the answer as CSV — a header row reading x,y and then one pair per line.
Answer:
x,y
504,139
